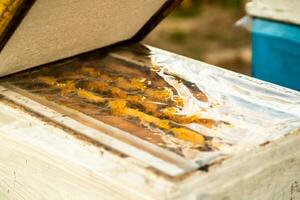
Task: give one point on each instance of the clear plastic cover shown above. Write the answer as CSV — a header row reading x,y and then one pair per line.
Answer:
x,y
200,112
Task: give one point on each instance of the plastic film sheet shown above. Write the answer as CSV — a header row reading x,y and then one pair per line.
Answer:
x,y
200,112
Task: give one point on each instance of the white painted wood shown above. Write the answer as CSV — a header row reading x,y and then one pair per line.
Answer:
x,y
270,172
39,161
286,11
173,167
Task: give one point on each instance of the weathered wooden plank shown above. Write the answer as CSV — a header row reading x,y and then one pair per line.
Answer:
x,y
268,172
40,161
45,162
285,11
167,162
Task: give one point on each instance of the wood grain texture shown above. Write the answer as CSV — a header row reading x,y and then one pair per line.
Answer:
x,y
46,154
269,172
39,161
285,11
167,162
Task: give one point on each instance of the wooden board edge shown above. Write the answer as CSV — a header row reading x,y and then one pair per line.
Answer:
x,y
15,21
42,161
269,169
167,163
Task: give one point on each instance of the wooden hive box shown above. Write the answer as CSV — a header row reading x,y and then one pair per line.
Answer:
x,y
86,128
133,121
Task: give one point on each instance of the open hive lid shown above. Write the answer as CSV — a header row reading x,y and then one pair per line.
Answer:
x,y
36,32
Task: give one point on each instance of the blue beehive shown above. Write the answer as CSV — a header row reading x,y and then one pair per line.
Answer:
x,y
276,52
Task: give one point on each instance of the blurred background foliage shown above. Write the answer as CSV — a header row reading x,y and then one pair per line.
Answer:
x,y
193,7
204,30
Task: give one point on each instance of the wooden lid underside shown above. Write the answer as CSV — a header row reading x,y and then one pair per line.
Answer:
x,y
53,30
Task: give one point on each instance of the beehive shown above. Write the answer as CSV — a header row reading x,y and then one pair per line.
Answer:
x,y
136,122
